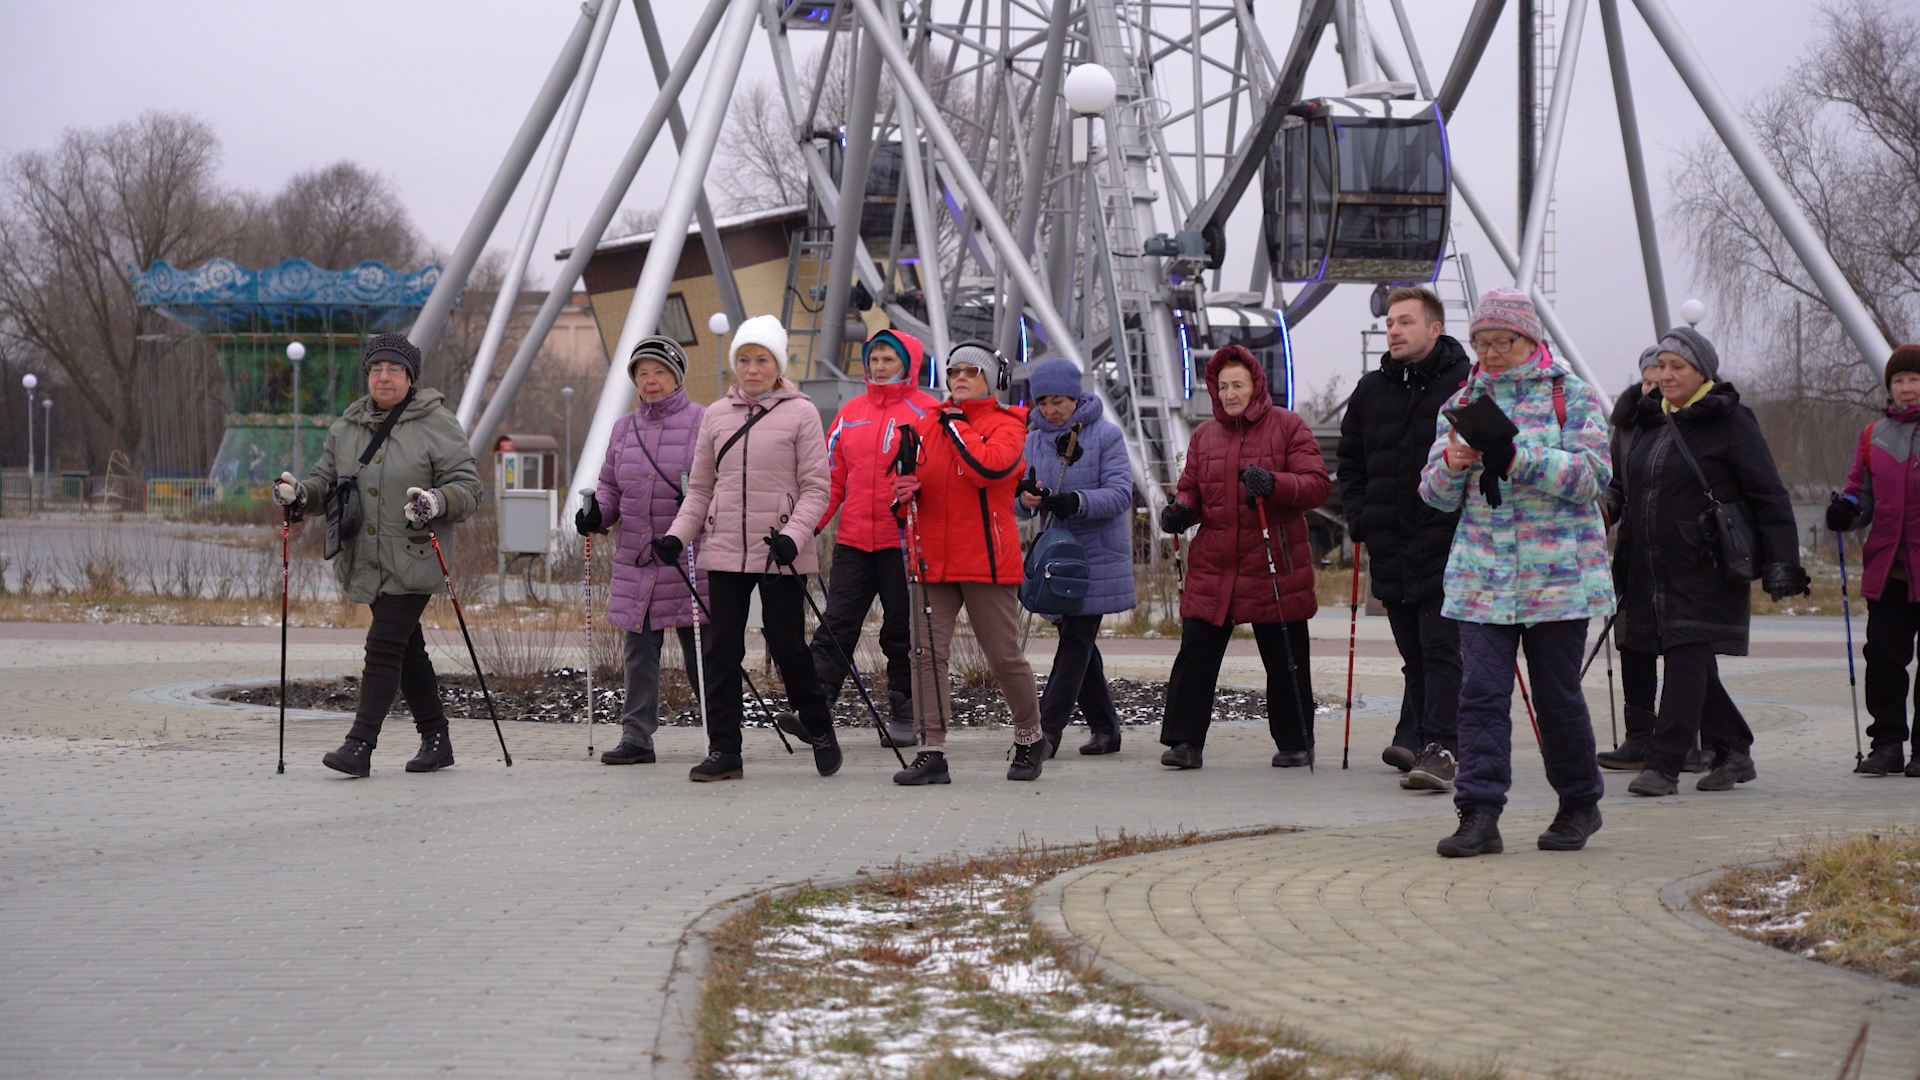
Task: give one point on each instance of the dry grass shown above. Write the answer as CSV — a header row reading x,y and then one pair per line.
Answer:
x,y
935,971
1851,901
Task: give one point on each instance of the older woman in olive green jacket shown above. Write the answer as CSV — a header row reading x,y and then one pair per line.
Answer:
x,y
421,476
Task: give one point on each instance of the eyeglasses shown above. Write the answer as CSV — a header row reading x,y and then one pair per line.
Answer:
x,y
386,367
969,370
1496,345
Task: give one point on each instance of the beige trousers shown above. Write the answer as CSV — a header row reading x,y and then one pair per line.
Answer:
x,y
994,613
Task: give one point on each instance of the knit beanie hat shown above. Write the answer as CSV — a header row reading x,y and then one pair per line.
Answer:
x,y
1507,309
392,348
1904,358
663,349
980,355
1054,377
1693,347
766,332
1650,357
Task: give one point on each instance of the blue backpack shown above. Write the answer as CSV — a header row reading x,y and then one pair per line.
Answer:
x,y
1056,574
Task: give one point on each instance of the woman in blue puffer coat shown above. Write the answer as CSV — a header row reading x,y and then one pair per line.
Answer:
x,y
641,484
1079,475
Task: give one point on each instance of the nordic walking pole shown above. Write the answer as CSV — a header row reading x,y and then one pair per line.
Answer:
x,y
1273,578
1612,718
1846,613
478,672
286,586
1527,700
586,601
859,682
904,463
699,649
1605,630
700,660
1353,627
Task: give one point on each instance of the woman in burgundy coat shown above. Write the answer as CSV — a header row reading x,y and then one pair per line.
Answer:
x,y
1252,455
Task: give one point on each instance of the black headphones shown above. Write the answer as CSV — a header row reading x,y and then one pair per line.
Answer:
x,y
1004,380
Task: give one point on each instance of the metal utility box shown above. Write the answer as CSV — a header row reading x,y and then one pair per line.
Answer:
x,y
526,521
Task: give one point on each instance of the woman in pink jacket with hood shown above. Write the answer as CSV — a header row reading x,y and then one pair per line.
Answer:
x,y
861,446
758,487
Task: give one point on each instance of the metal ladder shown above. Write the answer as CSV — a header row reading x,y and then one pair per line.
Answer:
x,y
811,246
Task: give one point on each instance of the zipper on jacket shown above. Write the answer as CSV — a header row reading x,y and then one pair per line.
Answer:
x,y
986,526
746,451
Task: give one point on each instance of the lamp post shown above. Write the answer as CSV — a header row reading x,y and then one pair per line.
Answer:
x,y
30,380
566,395
717,322
46,442
296,352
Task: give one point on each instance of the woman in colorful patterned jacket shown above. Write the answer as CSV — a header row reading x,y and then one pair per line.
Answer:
x,y
861,446
1528,570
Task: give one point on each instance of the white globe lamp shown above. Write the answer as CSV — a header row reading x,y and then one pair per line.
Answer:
x,y
717,322
1089,89
1693,311
296,352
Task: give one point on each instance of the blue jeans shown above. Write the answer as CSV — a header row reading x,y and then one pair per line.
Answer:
x,y
1485,760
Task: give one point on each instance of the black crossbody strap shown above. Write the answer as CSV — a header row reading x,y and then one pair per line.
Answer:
x,y
386,426
662,473
1688,455
752,419
974,463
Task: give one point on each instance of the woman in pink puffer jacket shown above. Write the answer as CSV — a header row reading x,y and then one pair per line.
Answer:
x,y
759,484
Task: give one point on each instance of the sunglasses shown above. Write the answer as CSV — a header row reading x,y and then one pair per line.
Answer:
x,y
969,370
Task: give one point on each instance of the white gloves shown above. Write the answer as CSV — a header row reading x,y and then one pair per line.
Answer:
x,y
288,492
425,504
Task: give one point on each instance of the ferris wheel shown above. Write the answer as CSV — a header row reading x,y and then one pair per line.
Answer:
x,y
1057,180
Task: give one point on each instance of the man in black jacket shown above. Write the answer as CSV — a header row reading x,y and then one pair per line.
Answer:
x,y
1383,446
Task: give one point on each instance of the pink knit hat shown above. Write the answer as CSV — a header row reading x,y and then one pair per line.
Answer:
x,y
1507,309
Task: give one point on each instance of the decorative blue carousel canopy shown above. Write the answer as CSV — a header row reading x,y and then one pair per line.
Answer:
x,y
221,296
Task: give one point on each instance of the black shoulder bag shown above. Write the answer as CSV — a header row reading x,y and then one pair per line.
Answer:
x,y
345,512
1728,529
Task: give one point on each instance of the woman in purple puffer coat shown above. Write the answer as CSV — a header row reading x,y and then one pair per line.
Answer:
x,y
641,486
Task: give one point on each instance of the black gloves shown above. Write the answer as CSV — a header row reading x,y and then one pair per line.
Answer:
x,y
668,548
1842,512
1782,580
1065,504
1030,485
783,548
1068,447
1258,482
586,520
1175,517
1496,458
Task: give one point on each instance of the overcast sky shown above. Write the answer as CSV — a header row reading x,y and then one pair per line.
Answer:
x,y
429,92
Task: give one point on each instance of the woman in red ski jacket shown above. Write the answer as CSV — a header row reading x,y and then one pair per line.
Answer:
x,y
1252,455
966,552
861,447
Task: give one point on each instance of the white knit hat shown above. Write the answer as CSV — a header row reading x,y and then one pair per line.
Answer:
x,y
766,332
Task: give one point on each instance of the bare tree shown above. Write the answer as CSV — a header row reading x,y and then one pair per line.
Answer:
x,y
335,217
761,168
75,219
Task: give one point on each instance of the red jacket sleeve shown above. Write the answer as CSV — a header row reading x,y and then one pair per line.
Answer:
x,y
1303,483
837,459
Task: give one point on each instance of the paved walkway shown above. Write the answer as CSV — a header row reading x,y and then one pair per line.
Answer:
x,y
171,906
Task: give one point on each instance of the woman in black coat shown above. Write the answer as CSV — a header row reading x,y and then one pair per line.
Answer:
x,y
1673,599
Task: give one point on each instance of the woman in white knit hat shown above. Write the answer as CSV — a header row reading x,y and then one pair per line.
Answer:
x,y
760,482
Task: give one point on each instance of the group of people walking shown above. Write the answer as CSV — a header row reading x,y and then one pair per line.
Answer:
x,y
1481,481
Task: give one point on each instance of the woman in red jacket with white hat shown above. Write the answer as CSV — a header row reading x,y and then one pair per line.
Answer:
x,y
965,551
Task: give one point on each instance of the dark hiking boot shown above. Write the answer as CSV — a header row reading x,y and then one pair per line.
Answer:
x,y
1699,759
1101,742
1433,771
1052,742
1400,757
1181,756
790,723
1881,760
436,752
1478,834
929,767
1292,759
1631,755
1729,768
354,758
1028,759
628,754
826,753
1653,783
717,766
1570,828
1913,766
899,727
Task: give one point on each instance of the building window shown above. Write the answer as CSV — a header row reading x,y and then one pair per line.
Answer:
x,y
675,322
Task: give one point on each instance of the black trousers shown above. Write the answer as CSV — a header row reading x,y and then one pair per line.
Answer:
x,y
1429,645
783,622
1196,674
858,577
397,663
1892,624
1694,707
1639,690
1078,678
